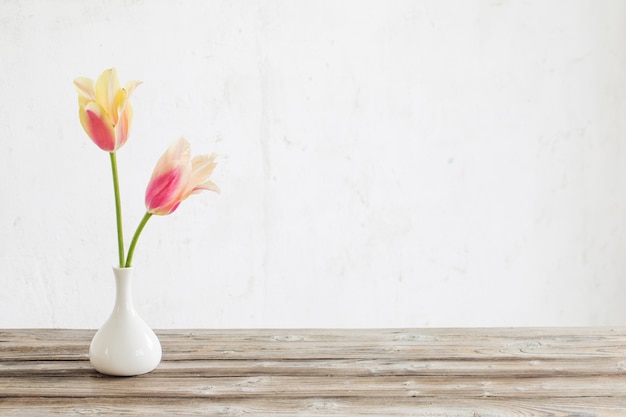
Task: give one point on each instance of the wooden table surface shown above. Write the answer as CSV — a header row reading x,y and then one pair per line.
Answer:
x,y
575,372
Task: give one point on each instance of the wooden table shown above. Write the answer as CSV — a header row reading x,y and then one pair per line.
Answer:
x,y
575,372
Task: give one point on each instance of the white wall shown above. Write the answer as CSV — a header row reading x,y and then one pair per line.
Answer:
x,y
383,163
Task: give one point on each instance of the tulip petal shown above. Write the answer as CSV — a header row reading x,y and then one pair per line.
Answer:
x,y
162,192
130,86
107,87
169,179
119,100
97,125
123,116
178,154
123,126
202,167
85,87
207,186
124,112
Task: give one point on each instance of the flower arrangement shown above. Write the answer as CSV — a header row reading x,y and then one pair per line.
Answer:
x,y
106,115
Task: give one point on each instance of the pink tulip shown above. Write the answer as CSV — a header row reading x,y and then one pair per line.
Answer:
x,y
104,109
177,176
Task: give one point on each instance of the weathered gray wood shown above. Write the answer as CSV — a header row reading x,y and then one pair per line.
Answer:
x,y
319,372
340,367
315,407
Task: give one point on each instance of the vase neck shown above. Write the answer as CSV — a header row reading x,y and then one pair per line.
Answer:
x,y
123,288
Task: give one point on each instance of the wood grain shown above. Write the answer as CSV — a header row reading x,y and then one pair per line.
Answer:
x,y
572,372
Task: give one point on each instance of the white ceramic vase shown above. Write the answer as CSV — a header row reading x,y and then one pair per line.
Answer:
x,y
125,345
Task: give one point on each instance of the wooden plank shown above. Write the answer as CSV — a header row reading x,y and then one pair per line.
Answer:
x,y
305,386
314,407
428,335
338,367
350,344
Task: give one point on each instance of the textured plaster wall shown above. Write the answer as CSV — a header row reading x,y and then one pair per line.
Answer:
x,y
383,163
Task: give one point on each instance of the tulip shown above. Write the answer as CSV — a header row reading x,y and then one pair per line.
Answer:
x,y
104,109
105,113
176,176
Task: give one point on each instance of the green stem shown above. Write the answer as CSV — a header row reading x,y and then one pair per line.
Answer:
x,y
118,210
133,243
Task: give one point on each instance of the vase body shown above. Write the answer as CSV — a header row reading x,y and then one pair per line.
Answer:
x,y
125,345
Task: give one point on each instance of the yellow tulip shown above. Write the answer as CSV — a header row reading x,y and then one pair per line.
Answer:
x,y
104,109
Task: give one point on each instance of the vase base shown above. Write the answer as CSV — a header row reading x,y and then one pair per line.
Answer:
x,y
124,356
